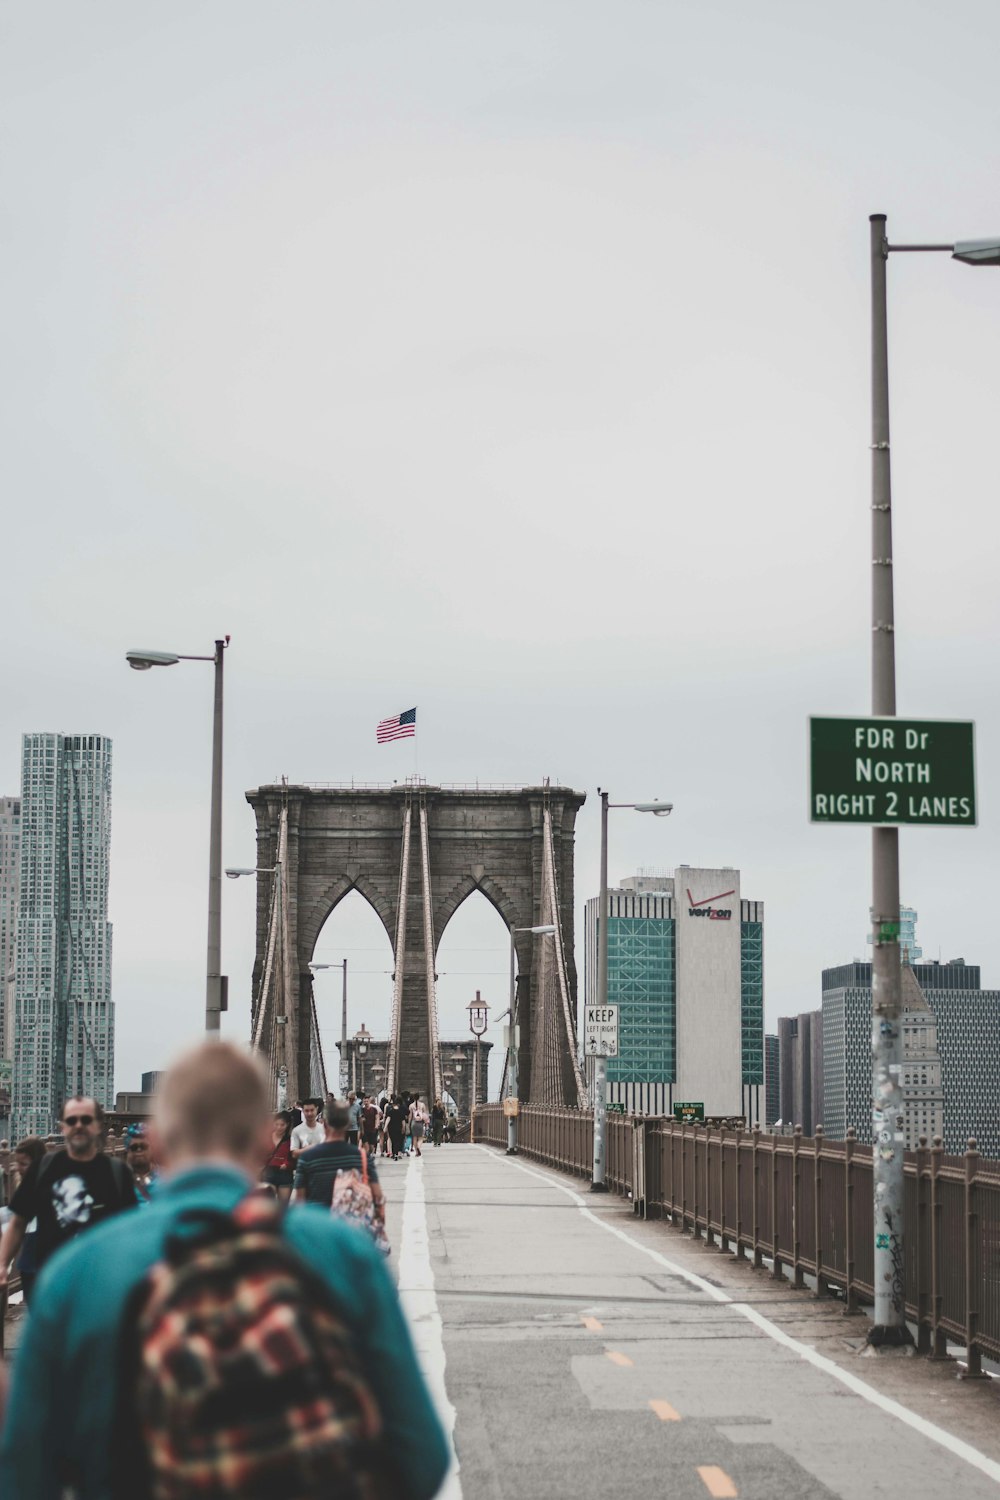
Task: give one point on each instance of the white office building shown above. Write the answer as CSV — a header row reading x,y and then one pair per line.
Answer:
x,y
64,1032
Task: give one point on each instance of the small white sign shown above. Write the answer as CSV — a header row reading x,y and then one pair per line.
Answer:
x,y
600,1030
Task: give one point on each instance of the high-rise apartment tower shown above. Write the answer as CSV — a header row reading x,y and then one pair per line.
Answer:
x,y
64,1030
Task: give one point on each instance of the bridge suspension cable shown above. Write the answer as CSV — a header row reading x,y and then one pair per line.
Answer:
x,y
433,1037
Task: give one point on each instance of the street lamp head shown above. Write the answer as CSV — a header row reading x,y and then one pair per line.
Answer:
x,y
141,661
235,874
977,252
658,809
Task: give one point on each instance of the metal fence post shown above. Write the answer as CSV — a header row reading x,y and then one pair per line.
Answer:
x,y
850,1295
723,1236
796,1207
817,1208
775,1249
695,1226
757,1258
973,1290
939,1339
740,1248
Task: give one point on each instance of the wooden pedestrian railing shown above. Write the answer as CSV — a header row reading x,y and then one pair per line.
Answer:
x,y
804,1205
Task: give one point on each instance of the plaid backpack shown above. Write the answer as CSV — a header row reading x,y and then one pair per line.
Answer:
x,y
239,1376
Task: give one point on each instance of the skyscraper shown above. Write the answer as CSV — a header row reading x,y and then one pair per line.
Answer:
x,y
63,1014
951,1054
800,1065
10,876
686,969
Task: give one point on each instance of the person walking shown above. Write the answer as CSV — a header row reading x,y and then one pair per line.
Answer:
x,y
89,1406
71,1190
310,1132
397,1126
418,1123
278,1170
354,1105
438,1118
139,1160
28,1155
370,1123
317,1170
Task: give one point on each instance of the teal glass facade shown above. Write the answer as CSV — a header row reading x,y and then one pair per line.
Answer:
x,y
752,1000
642,983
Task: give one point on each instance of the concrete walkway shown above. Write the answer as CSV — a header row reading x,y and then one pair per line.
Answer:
x,y
590,1354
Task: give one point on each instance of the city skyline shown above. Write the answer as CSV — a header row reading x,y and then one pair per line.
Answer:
x,y
518,368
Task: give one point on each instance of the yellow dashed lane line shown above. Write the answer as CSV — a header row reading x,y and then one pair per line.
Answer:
x,y
665,1411
592,1324
618,1359
717,1482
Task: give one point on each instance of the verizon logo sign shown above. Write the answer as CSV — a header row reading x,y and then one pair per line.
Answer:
x,y
704,908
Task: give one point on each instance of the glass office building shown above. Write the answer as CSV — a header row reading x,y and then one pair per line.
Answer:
x,y
63,1014
689,986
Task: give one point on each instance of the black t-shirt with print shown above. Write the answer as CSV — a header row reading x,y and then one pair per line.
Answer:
x,y
66,1196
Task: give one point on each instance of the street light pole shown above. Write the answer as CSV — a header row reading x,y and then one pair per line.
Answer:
x,y
213,995
545,930
888,1109
342,1081
215,984
512,1052
888,1100
660,810
598,1185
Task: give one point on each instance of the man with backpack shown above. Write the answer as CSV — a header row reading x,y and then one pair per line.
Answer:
x,y
72,1190
211,1346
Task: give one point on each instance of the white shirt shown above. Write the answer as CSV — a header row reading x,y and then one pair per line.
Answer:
x,y
304,1136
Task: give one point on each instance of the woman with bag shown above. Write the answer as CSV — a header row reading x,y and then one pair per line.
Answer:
x,y
279,1169
419,1120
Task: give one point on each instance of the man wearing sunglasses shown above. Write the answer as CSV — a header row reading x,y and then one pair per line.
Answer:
x,y
73,1188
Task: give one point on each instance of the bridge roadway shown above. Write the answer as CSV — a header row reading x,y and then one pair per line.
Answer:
x,y
588,1354
582,1354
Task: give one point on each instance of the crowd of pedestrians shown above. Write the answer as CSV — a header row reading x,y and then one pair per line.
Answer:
x,y
147,1362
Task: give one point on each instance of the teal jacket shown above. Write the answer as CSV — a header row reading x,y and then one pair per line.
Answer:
x,y
64,1390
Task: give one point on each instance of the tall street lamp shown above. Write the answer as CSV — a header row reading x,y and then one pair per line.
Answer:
x,y
659,810
547,930
478,1018
235,872
359,1050
343,1022
215,990
888,1108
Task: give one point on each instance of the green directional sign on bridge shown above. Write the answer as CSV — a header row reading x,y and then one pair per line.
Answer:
x,y
888,771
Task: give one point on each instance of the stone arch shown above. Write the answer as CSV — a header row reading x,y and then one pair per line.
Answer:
x,y
507,907
321,910
343,838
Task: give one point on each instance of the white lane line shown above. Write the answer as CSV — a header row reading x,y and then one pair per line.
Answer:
x,y
946,1440
416,1292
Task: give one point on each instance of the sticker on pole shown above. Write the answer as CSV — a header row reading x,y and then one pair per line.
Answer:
x,y
600,1030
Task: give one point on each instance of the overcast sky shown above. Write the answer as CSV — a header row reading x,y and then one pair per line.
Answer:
x,y
510,361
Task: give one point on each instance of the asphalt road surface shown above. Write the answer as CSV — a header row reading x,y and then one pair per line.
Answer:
x,y
582,1354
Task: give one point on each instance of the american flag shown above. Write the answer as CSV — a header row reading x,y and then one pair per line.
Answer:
x,y
402,727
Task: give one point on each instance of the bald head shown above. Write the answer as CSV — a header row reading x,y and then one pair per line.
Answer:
x,y
213,1102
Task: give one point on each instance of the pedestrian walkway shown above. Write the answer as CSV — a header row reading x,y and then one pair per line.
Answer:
x,y
590,1354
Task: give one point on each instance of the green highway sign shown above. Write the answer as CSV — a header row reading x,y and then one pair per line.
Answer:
x,y
888,771
688,1112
